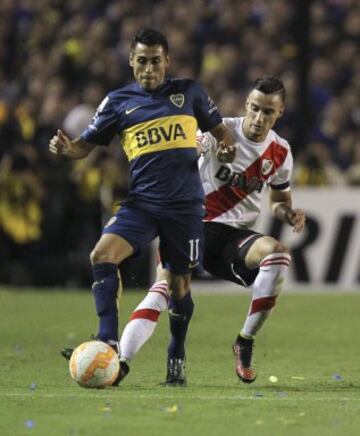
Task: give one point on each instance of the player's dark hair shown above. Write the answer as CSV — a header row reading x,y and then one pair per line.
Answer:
x,y
150,37
270,85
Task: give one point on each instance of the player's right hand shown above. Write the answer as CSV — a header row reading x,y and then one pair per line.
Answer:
x,y
296,218
225,153
60,144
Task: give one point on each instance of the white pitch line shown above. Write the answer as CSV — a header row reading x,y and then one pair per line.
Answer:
x,y
134,395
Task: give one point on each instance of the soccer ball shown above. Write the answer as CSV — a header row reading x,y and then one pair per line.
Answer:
x,y
94,364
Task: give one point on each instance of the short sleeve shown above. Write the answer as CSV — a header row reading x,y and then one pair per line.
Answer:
x,y
280,181
103,126
205,110
231,123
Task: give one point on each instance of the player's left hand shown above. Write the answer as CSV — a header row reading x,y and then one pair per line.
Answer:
x,y
225,153
296,218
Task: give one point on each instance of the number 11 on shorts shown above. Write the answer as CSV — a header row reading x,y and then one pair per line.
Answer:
x,y
194,252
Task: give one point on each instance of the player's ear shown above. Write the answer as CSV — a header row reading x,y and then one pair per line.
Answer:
x,y
281,111
131,59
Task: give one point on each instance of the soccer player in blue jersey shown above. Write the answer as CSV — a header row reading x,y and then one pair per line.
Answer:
x,y
156,119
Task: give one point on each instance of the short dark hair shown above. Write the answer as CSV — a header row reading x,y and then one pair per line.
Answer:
x,y
150,37
270,85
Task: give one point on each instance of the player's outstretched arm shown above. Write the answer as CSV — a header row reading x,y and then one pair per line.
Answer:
x,y
226,143
62,145
281,207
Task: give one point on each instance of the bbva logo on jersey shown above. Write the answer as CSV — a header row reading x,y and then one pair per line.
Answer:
x,y
155,135
235,179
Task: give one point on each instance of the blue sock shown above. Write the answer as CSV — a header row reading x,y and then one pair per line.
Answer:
x,y
180,312
105,288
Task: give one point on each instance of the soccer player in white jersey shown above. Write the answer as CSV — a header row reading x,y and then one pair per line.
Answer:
x,y
233,251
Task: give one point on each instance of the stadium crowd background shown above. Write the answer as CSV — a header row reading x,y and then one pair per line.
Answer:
x,y
58,59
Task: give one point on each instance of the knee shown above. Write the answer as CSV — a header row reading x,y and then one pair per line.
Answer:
x,y
277,250
96,256
279,247
179,285
267,246
271,246
102,256
110,249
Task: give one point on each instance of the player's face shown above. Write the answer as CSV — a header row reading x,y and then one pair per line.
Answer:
x,y
149,64
262,112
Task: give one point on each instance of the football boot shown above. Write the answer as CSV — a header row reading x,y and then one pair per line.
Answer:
x,y
243,351
175,372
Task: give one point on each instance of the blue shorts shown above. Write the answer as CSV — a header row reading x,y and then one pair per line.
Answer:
x,y
180,236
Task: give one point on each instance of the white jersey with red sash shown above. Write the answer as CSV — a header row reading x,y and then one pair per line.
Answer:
x,y
233,191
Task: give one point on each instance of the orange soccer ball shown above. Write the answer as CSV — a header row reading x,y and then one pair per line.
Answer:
x,y
94,364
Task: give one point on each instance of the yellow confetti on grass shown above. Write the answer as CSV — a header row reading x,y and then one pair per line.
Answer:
x,y
273,379
172,409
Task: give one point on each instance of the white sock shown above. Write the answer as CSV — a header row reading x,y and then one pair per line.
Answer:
x,y
265,289
143,320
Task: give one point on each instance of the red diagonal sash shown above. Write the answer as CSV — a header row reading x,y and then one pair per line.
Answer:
x,y
226,197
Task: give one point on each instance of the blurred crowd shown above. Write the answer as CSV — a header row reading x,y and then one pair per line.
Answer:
x,y
58,59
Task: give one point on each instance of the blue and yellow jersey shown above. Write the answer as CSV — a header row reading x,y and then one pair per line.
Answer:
x,y
157,130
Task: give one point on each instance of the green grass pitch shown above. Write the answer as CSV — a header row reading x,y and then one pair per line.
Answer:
x,y
311,344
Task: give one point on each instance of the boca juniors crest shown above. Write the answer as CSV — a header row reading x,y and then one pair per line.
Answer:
x,y
177,99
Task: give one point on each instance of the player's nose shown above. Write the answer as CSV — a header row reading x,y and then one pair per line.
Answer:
x,y
148,67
